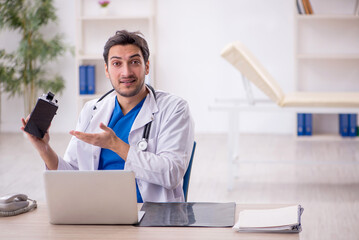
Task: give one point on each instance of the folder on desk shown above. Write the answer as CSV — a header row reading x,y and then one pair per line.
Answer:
x,y
187,214
279,220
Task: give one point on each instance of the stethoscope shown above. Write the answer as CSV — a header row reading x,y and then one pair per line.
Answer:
x,y
143,143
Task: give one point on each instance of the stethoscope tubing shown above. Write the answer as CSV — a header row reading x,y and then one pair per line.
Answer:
x,y
143,143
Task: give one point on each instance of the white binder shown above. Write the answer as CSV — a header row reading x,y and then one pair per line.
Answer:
x,y
286,219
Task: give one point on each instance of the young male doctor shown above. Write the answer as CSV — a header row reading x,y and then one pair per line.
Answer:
x,y
109,133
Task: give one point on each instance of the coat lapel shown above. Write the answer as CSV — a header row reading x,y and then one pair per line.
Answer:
x,y
146,113
102,114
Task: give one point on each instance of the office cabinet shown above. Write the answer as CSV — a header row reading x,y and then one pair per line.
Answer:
x,y
327,53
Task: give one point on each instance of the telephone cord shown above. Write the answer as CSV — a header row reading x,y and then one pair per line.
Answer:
x,y
19,211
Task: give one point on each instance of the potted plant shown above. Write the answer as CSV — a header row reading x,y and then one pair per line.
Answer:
x,y
103,5
23,72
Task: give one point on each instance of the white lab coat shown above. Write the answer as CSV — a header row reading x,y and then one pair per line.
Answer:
x,y
159,171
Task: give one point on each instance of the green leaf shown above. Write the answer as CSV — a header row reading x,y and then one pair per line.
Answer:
x,y
23,71
10,14
55,85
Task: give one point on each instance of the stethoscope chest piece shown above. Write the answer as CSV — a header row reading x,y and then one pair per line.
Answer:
x,y
142,144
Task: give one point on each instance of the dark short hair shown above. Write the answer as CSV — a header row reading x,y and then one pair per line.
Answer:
x,y
124,37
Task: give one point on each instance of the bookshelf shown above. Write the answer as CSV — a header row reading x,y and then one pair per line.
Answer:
x,y
327,54
94,27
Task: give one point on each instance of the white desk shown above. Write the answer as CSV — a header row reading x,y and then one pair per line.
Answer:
x,y
35,225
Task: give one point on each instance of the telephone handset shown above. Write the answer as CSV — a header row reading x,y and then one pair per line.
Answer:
x,y
14,204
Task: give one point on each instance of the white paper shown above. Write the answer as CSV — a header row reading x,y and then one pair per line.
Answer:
x,y
140,215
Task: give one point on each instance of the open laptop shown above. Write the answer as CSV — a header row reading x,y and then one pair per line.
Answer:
x,y
91,197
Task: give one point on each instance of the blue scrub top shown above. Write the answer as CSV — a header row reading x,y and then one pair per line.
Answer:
x,y
121,125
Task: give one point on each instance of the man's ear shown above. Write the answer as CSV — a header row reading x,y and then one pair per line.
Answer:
x,y
106,71
147,67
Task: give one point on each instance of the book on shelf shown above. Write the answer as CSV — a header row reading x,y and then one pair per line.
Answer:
x,y
82,80
344,124
308,123
310,7
304,124
90,79
307,7
87,79
348,125
352,125
300,124
300,7
278,220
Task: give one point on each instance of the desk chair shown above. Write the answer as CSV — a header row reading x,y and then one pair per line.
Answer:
x,y
188,174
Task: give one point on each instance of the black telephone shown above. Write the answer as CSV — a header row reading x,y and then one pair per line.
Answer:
x,y
14,204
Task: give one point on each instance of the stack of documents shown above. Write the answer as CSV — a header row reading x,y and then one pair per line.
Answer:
x,y
286,219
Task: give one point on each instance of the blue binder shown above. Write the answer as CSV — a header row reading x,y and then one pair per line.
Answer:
x,y
300,124
352,125
344,124
308,124
83,79
91,79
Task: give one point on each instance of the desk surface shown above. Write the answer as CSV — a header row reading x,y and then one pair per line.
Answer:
x,y
35,225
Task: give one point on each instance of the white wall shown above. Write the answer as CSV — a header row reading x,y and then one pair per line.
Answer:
x,y
190,36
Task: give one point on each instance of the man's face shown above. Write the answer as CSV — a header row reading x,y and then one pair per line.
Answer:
x,y
126,69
